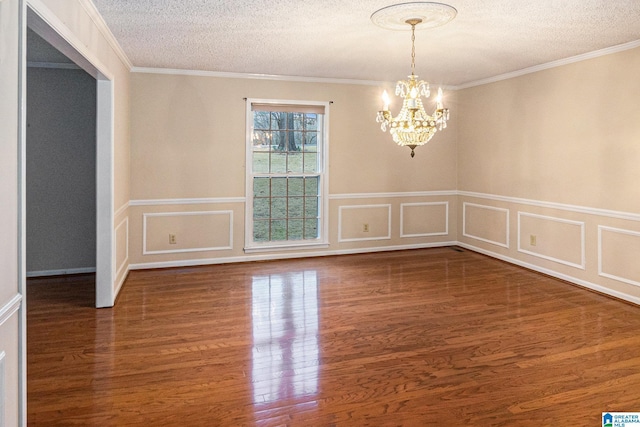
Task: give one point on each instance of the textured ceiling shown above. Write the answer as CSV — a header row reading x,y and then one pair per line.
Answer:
x,y
336,38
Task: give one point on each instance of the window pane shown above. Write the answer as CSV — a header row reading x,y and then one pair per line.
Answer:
x,y
260,231
311,229
311,141
298,141
279,230
310,207
278,140
261,120
261,208
290,120
278,186
296,186
298,121
261,187
296,229
279,208
295,163
311,186
310,162
261,140
260,162
278,163
311,121
295,207
289,141
278,121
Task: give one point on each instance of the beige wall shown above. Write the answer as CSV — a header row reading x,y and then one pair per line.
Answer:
x,y
188,142
558,150
568,134
188,138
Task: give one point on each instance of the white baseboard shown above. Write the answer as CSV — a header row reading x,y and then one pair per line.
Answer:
x,y
574,280
276,256
120,282
61,272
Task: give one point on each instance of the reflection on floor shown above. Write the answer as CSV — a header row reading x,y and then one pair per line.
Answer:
x,y
285,336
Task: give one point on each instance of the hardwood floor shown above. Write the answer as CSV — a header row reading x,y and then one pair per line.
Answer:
x,y
413,338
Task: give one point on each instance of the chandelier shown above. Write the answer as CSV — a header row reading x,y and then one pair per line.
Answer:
x,y
413,127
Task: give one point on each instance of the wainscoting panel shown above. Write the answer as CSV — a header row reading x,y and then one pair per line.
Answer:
x,y
424,219
194,231
364,222
598,249
10,349
555,239
486,223
619,254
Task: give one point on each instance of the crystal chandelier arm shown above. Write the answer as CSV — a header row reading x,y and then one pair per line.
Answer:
x,y
423,87
402,88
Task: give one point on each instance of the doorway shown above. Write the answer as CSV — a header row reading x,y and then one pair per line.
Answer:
x,y
51,30
60,164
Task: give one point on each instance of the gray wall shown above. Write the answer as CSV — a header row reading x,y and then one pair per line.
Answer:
x,y
61,170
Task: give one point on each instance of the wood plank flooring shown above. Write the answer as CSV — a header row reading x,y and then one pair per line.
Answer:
x,y
411,338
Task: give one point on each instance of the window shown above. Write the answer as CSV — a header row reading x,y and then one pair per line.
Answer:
x,y
286,174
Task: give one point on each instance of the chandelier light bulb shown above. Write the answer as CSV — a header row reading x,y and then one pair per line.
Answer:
x,y
386,100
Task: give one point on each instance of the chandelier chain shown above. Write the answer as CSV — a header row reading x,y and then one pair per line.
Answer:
x,y
413,49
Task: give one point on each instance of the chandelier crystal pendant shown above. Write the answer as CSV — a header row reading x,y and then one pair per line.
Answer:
x,y
413,127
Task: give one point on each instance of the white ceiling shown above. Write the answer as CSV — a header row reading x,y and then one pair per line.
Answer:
x,y
336,38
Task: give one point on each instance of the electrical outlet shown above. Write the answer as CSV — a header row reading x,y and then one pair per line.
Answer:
x,y
365,228
172,239
532,240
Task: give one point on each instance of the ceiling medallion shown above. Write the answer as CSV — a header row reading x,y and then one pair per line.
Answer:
x,y
413,127
430,14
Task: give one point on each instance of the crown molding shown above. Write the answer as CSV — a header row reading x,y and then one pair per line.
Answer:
x,y
99,21
552,64
230,75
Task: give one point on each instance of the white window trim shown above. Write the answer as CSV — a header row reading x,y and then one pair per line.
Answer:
x,y
323,240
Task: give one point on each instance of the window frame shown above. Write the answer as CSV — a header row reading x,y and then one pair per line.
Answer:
x,y
323,172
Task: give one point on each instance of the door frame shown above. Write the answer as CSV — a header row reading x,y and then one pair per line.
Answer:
x,y
48,26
